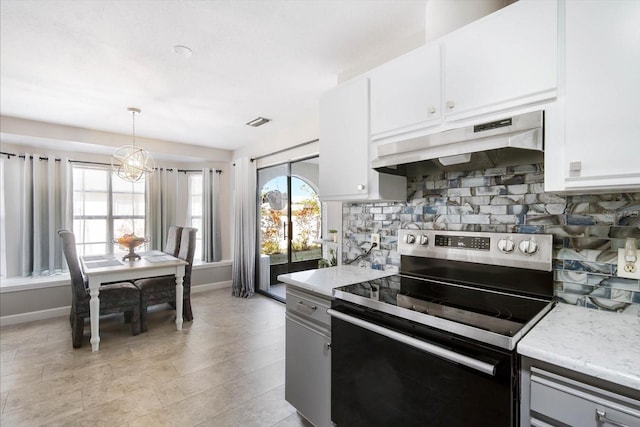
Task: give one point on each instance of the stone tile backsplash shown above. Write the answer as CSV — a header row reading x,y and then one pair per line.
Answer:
x,y
588,229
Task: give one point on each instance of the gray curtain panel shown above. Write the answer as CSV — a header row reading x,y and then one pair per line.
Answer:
x,y
211,237
161,206
244,250
37,201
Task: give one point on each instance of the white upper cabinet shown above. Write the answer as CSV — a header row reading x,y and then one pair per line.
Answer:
x,y
406,92
593,138
345,156
504,63
505,60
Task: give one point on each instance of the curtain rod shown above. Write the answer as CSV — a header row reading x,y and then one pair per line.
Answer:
x,y
197,170
285,149
22,156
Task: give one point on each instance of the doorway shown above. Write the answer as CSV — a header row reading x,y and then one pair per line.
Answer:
x,y
289,223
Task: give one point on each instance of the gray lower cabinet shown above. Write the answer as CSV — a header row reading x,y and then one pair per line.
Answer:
x,y
562,399
308,356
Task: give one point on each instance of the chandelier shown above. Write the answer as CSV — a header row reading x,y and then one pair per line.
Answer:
x,y
130,162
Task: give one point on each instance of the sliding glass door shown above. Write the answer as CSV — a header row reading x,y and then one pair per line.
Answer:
x,y
289,222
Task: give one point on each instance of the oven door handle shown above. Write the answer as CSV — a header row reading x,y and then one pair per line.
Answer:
x,y
452,356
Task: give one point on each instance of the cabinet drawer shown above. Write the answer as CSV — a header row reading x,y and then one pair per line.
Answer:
x,y
308,306
561,400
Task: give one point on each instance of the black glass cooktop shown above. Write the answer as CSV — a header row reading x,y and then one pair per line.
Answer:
x,y
493,311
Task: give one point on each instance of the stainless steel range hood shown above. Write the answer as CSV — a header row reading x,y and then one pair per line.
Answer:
x,y
508,141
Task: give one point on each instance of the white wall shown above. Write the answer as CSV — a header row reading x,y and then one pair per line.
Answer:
x,y
444,16
80,140
302,128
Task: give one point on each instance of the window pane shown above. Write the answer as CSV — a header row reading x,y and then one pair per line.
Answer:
x,y
96,204
78,202
78,226
138,204
123,226
196,206
104,207
195,183
94,249
95,179
89,203
119,185
197,223
138,227
93,231
78,178
122,204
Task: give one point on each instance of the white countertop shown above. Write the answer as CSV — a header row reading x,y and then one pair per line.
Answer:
x,y
601,344
323,280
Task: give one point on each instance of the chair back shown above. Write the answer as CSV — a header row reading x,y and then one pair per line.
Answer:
x,y
187,252
78,289
172,247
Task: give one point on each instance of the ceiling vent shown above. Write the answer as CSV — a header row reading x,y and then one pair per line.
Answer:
x,y
258,121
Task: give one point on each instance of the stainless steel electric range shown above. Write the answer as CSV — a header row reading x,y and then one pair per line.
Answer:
x,y
435,344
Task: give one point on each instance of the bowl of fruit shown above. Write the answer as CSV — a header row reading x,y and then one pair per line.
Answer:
x,y
130,242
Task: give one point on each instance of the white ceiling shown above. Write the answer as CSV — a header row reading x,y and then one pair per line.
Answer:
x,y
83,62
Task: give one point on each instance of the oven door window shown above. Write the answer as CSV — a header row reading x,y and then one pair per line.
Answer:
x,y
378,381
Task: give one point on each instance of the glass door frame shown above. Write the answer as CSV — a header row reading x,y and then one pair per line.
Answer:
x,y
290,265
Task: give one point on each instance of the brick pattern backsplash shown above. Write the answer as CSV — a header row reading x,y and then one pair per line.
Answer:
x,y
588,229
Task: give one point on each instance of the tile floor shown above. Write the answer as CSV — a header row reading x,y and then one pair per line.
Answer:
x,y
226,368
279,290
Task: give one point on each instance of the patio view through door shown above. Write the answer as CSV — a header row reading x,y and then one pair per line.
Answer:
x,y
289,215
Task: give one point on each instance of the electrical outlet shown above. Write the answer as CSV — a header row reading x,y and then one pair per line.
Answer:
x,y
628,269
375,292
375,238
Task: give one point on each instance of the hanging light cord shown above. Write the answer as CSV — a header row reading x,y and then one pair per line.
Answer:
x,y
134,111
133,125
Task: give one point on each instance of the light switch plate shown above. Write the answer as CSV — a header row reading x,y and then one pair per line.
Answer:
x,y
621,264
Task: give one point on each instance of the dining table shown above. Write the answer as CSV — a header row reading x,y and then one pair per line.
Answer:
x,y
109,268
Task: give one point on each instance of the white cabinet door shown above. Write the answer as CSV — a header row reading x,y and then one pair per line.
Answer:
x,y
345,157
405,92
505,60
344,140
602,106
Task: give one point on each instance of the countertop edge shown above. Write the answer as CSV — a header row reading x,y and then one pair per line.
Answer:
x,y
323,280
589,342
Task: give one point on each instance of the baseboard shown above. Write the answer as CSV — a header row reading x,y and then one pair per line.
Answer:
x,y
210,286
32,316
15,319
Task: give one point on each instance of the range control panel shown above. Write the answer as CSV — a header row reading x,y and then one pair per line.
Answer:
x,y
532,251
463,242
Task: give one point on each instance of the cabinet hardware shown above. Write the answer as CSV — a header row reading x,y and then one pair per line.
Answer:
x,y
431,110
451,105
360,186
601,416
312,307
575,166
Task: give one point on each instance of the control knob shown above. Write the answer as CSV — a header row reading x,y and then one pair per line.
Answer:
x,y
528,247
424,240
506,245
409,238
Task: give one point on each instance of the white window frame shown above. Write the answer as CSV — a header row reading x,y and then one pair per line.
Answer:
x,y
109,216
